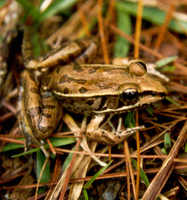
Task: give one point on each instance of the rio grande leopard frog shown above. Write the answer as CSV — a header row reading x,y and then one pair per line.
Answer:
x,y
94,90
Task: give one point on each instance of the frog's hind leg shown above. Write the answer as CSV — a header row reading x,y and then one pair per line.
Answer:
x,y
39,111
27,132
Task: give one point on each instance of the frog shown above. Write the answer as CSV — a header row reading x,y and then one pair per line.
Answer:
x,y
106,90
66,80
36,105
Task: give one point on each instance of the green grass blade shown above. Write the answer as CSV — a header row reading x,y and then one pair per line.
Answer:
x,y
153,15
170,69
85,193
89,183
2,2
67,161
130,120
143,175
163,150
57,6
122,46
40,159
56,142
30,10
167,141
28,152
13,146
172,101
165,61
149,109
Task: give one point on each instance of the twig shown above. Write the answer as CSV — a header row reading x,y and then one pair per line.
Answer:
x,y
167,167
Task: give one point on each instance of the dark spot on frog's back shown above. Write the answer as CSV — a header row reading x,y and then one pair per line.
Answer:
x,y
31,76
77,67
57,70
92,70
83,90
34,90
80,81
66,90
47,107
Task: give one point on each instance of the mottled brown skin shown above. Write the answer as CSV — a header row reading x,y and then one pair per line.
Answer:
x,y
99,80
92,90
40,112
77,51
89,88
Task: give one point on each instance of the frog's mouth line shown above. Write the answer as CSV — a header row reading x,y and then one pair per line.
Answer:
x,y
142,99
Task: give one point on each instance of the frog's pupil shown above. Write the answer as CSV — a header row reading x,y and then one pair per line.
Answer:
x,y
129,94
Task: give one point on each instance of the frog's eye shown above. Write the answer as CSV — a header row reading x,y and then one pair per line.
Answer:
x,y
142,64
137,67
130,93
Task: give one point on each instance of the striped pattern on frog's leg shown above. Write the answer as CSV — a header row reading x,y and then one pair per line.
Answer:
x,y
39,111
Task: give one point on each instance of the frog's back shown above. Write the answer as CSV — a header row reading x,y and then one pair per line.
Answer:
x,y
84,81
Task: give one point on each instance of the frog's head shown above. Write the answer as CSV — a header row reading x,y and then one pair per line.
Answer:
x,y
139,89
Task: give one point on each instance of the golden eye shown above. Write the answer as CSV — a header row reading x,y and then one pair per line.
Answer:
x,y
137,67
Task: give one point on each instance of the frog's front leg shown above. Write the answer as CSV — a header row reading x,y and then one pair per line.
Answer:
x,y
80,132
104,135
79,51
39,111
